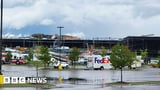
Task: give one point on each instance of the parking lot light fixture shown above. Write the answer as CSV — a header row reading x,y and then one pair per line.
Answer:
x,y
60,28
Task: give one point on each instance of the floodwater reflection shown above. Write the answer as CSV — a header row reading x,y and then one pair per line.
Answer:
x,y
77,87
85,79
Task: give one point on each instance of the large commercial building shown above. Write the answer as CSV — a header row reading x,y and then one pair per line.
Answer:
x,y
134,43
57,42
137,43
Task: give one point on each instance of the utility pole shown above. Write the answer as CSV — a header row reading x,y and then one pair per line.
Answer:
x,y
60,27
1,37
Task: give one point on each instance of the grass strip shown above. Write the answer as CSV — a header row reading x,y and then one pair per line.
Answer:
x,y
28,85
134,83
16,85
145,82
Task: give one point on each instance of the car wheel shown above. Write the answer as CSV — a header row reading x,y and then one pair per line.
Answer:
x,y
55,67
17,62
3,62
67,67
101,68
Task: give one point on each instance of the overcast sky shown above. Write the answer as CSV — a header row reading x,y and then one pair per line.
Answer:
x,y
82,18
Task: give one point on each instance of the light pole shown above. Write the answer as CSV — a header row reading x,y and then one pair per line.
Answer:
x,y
1,37
60,27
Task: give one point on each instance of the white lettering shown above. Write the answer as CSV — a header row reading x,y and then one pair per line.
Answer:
x,y
6,80
22,80
44,80
14,80
29,80
39,80
34,80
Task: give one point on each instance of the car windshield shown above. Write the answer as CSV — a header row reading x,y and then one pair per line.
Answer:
x,y
63,62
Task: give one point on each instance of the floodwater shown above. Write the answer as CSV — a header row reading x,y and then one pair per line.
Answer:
x,y
90,79
137,87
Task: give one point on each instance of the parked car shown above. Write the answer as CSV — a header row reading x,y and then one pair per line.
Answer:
x,y
82,60
5,61
64,64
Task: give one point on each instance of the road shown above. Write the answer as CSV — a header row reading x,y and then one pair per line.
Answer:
x,y
94,79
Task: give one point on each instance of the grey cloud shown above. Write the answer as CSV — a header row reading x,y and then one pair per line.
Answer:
x,y
16,3
108,17
146,11
116,2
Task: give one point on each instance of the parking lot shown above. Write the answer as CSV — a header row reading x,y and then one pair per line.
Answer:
x,y
91,79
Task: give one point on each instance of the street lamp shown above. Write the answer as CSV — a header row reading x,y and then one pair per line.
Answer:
x,y
60,27
1,37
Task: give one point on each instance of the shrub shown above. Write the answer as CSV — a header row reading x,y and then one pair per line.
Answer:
x,y
154,65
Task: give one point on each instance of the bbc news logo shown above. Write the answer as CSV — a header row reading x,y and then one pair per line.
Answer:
x,y
23,80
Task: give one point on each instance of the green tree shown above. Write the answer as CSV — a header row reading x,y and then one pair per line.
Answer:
x,y
103,51
30,54
132,57
44,55
9,56
121,57
158,64
158,59
158,53
74,55
144,53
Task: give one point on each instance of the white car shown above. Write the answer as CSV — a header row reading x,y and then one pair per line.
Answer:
x,y
83,60
64,64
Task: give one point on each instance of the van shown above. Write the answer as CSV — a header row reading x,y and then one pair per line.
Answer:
x,y
98,62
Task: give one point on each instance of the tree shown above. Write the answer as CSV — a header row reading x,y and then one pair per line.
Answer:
x,y
132,58
158,53
103,51
144,53
144,56
30,54
121,57
74,55
158,64
44,55
9,56
158,59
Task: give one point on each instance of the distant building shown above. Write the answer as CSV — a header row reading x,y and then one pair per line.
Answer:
x,y
54,36
134,43
41,36
67,37
137,43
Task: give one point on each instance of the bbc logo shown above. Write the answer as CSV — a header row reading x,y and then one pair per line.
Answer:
x,y
14,80
23,80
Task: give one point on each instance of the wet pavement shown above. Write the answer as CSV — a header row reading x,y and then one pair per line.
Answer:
x,y
91,79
